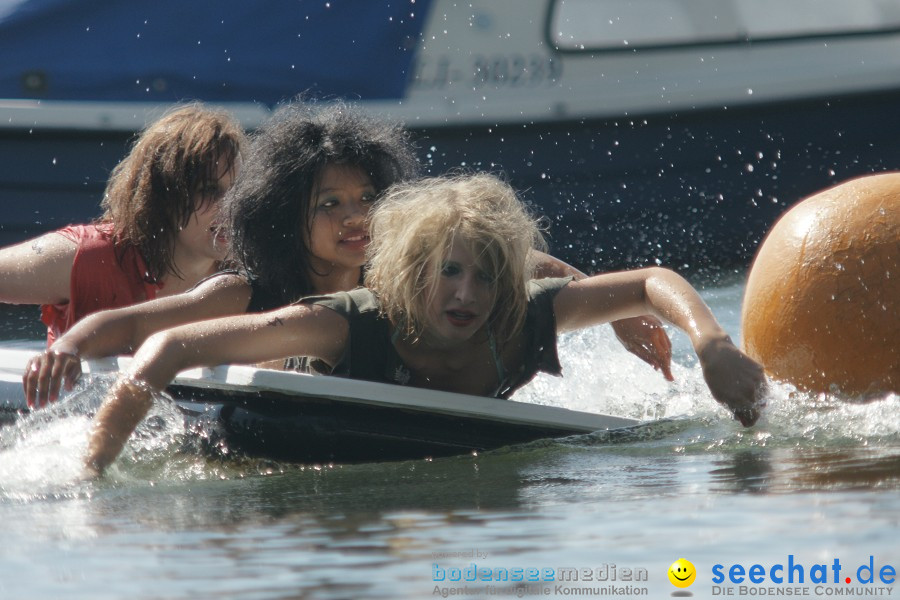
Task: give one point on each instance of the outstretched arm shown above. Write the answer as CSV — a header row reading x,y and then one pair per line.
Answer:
x,y
734,379
121,330
643,336
37,271
245,339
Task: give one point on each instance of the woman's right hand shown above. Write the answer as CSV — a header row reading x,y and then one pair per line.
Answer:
x,y
46,372
126,404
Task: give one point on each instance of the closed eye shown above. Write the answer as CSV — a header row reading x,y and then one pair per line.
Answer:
x,y
486,277
207,195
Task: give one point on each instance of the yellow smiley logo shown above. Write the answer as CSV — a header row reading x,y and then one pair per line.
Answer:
x,y
682,573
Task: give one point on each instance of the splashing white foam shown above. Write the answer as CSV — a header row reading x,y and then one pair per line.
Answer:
x,y
600,376
41,453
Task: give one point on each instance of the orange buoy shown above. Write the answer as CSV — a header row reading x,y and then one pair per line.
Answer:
x,y
821,308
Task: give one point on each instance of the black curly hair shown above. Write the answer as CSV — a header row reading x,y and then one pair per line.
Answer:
x,y
268,208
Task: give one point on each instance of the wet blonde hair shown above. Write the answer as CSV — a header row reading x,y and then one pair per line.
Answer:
x,y
413,228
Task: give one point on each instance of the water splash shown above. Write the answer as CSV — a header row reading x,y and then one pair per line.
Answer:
x,y
41,453
600,376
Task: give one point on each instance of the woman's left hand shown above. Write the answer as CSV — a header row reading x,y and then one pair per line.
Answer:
x,y
735,379
645,338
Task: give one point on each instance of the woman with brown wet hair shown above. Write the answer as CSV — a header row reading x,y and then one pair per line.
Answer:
x,y
158,235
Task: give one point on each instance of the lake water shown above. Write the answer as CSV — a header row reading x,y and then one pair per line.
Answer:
x,y
810,492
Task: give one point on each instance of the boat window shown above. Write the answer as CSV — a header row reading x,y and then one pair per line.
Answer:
x,y
769,18
627,24
8,6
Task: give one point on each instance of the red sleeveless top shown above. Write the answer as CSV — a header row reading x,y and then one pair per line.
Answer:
x,y
103,277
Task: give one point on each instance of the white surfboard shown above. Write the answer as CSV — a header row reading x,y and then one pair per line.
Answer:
x,y
314,418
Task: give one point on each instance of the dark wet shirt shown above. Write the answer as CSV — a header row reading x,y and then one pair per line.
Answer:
x,y
371,355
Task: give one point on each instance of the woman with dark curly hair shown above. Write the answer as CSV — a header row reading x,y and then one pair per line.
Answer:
x,y
297,214
156,236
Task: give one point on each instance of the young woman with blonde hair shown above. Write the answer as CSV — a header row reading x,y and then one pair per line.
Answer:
x,y
449,306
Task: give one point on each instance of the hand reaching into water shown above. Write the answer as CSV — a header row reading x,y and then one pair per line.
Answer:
x,y
642,336
645,338
735,379
46,372
126,404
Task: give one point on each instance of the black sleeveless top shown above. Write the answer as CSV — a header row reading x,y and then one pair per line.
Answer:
x,y
371,355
